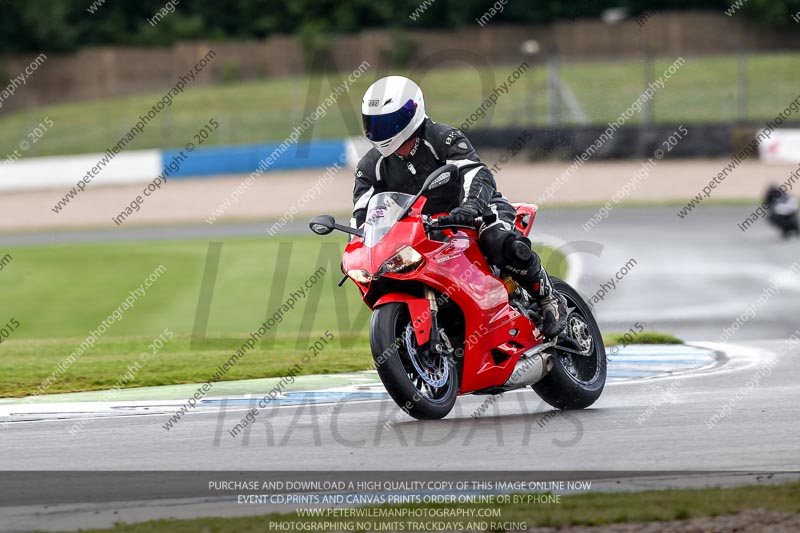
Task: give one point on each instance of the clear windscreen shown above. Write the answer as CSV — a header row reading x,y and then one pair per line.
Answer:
x,y
383,211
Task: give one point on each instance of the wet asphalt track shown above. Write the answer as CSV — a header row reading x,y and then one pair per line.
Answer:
x,y
692,277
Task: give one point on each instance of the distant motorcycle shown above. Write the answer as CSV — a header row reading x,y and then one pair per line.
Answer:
x,y
444,323
782,213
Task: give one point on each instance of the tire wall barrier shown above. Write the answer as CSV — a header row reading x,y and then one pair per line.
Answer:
x,y
633,142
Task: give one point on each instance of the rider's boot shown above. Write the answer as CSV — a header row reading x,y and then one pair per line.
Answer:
x,y
553,305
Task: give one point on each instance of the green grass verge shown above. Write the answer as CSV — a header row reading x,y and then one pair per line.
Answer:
x,y
584,509
645,337
703,90
24,365
59,294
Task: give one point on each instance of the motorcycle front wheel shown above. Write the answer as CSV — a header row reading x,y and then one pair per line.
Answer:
x,y
423,384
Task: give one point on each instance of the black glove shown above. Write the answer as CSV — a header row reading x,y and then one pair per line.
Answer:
x,y
463,215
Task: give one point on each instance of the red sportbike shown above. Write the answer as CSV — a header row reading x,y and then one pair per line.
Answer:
x,y
444,323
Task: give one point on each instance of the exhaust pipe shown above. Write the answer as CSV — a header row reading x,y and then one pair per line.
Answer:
x,y
530,368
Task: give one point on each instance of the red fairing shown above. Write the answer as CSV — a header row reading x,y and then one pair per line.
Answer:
x,y
496,334
418,308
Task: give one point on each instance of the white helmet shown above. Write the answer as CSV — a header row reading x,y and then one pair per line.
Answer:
x,y
392,109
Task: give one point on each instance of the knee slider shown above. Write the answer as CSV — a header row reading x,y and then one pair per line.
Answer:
x,y
518,253
522,252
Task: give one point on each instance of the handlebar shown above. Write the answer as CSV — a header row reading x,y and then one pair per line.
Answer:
x,y
431,222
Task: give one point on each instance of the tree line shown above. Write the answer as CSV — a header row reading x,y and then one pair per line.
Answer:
x,y
65,25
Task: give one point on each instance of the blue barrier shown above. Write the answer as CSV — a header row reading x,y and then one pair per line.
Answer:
x,y
246,158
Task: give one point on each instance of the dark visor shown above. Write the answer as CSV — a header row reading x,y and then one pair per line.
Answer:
x,y
378,128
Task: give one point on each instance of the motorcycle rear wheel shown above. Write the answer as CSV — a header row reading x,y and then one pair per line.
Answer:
x,y
393,347
575,381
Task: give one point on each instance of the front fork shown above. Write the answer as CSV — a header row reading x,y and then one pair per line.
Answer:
x,y
439,344
436,337
424,318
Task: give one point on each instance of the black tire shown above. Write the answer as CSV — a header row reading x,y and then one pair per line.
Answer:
x,y
791,228
561,387
392,360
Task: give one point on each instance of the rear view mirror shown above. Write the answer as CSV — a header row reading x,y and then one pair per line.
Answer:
x,y
440,176
322,225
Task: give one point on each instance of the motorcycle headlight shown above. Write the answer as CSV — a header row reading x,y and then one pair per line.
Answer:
x,y
403,261
361,276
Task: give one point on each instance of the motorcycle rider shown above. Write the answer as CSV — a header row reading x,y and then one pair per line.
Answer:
x,y
407,147
782,211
